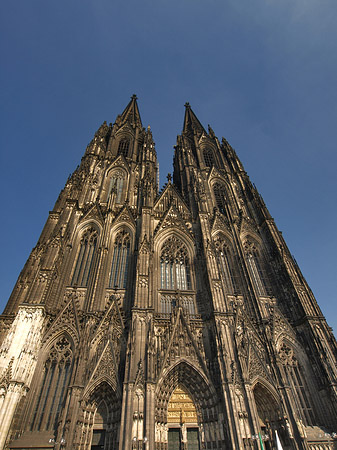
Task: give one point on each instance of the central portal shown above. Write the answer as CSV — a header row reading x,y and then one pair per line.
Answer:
x,y
182,422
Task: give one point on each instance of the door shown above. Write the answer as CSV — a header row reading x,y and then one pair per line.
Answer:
x,y
98,439
193,439
174,439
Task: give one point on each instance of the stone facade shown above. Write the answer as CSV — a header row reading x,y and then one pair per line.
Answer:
x,y
164,320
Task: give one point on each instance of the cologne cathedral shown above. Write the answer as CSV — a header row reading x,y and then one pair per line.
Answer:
x,y
172,319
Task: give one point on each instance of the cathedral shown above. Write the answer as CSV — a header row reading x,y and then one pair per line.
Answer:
x,y
164,319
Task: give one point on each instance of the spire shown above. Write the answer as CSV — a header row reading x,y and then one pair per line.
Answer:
x,y
191,122
131,113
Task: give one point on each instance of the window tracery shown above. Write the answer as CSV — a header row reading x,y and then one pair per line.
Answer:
x,y
226,263
123,147
174,265
208,157
220,196
53,386
294,376
117,185
120,260
255,267
85,257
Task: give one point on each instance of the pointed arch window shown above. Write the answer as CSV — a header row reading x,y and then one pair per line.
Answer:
x,y
123,147
120,260
174,265
226,263
85,258
255,268
294,376
208,157
117,185
220,196
53,386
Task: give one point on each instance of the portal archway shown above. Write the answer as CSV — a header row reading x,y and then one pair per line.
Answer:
x,y
269,414
101,413
100,427
182,421
206,426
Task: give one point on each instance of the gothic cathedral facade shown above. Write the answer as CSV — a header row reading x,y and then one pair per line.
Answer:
x,y
164,320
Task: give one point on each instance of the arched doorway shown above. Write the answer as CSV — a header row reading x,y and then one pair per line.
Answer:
x,y
99,427
207,429
182,421
269,415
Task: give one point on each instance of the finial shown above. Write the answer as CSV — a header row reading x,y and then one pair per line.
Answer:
x,y
134,97
169,177
148,128
187,105
210,131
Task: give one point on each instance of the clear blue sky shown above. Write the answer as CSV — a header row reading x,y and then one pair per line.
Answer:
x,y
263,73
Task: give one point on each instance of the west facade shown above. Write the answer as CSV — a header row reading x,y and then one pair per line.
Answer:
x,y
164,320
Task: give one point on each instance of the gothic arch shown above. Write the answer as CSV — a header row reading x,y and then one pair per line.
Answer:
x,y
225,236
253,237
185,374
123,135
82,227
126,132
220,193
116,180
163,236
295,367
175,264
270,415
208,424
102,383
84,250
50,382
225,261
121,238
104,431
118,164
122,225
269,411
256,262
215,177
53,334
268,387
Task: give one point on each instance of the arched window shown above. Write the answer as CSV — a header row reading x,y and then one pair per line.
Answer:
x,y
116,185
208,157
120,260
296,381
53,386
220,196
123,147
174,265
255,267
226,263
85,257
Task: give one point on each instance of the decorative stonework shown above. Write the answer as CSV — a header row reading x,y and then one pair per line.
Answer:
x,y
141,315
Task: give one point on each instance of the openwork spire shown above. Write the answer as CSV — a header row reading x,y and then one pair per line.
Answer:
x,y
131,113
191,122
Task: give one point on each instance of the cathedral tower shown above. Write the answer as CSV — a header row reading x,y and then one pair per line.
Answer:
x,y
164,320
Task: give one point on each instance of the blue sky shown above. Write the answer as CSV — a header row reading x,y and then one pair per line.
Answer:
x,y
261,72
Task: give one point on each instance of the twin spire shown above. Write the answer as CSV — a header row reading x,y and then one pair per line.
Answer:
x,y
191,122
